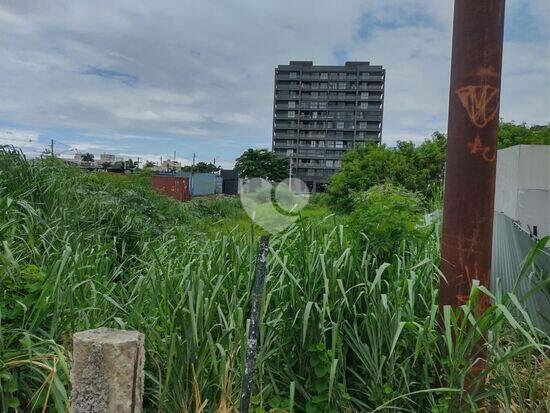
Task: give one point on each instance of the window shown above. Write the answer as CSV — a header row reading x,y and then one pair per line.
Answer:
x,y
314,115
291,113
342,76
341,85
339,144
339,125
362,125
364,105
293,75
324,76
329,163
290,152
322,105
364,95
292,104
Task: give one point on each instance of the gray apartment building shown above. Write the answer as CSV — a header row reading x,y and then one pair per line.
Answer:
x,y
321,111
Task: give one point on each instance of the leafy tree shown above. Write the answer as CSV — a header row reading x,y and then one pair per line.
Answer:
x,y
387,215
201,167
88,157
149,165
511,134
416,168
261,163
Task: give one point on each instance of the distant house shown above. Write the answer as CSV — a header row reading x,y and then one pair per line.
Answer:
x,y
170,165
109,158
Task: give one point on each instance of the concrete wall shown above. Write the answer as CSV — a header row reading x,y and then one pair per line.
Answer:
x,y
522,189
506,189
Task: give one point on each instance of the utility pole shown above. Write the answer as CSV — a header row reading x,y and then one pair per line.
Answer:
x,y
192,167
471,153
290,174
51,148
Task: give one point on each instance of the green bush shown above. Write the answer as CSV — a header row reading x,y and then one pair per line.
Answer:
x,y
416,168
387,216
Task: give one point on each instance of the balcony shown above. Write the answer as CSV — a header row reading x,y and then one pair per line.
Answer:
x,y
312,127
371,88
284,116
283,145
287,77
311,155
372,78
287,87
287,96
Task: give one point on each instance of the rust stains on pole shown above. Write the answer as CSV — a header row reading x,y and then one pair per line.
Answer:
x,y
471,148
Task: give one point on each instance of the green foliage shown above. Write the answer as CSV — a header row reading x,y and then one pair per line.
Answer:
x,y
416,168
149,165
326,395
201,167
261,163
511,134
337,327
88,157
387,216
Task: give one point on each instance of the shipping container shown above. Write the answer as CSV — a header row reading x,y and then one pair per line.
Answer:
x,y
200,184
176,187
230,178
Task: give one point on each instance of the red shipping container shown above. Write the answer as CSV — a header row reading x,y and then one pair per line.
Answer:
x,y
176,187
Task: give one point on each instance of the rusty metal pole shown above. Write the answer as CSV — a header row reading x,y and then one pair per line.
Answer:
x,y
471,148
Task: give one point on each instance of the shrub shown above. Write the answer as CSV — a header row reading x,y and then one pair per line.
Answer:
x,y
388,215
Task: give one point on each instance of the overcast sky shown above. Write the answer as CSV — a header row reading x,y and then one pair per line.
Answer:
x,y
145,78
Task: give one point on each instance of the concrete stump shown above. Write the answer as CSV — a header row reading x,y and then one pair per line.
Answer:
x,y
107,371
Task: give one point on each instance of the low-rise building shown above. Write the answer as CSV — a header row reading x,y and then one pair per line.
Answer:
x,y
171,165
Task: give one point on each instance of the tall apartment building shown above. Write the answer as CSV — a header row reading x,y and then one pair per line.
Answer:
x,y
321,111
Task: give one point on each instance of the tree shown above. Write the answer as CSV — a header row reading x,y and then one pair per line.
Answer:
x,y
201,167
149,165
130,164
261,163
511,134
416,168
88,157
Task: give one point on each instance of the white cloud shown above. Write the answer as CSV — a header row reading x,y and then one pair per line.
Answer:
x,y
199,74
9,136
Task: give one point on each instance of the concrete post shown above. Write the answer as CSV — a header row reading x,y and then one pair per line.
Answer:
x,y
107,371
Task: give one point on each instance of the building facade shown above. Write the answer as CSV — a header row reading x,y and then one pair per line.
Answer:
x,y
319,112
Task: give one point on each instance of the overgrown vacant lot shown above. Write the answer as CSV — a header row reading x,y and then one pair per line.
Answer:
x,y
341,330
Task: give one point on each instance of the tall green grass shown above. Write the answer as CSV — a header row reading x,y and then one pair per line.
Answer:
x,y
339,330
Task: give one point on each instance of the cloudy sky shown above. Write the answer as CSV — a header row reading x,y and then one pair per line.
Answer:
x,y
145,78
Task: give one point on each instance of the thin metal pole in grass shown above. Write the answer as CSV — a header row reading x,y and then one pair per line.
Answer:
x,y
252,341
